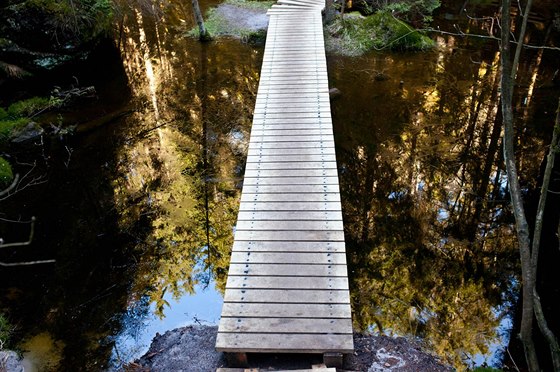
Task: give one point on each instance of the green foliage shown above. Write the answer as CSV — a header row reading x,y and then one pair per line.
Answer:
x,y
7,127
5,327
83,20
31,106
3,114
413,11
356,35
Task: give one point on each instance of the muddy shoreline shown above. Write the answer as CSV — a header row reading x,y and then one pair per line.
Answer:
x,y
191,349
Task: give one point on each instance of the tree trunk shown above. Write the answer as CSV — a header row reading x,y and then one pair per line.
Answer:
x,y
527,269
203,34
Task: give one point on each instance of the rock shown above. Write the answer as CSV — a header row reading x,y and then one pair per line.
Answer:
x,y
10,362
334,93
30,132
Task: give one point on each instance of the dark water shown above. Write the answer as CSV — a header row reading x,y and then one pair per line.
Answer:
x,y
139,205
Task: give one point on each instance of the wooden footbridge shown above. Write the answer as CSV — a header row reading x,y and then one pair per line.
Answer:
x,y
287,289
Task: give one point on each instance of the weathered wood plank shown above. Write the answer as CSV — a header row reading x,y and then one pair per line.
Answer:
x,y
288,120
292,181
254,151
289,189
287,246
294,225
325,143
263,173
262,131
291,206
290,216
326,258
305,296
285,325
291,138
287,310
332,235
296,165
284,282
303,271
288,343
318,157
290,197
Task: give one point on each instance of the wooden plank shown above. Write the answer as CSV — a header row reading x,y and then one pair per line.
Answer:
x,y
287,310
295,165
287,270
263,173
290,216
269,132
289,120
317,101
305,128
292,181
286,189
293,225
291,197
289,343
332,235
284,282
291,158
290,206
291,138
285,325
254,151
322,143
287,246
305,296
288,257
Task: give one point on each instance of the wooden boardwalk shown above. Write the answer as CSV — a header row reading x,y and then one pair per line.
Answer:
x,y
287,289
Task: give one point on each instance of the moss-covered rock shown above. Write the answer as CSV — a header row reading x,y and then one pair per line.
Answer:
x,y
356,34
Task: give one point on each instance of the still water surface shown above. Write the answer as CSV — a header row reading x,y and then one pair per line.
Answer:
x,y
140,206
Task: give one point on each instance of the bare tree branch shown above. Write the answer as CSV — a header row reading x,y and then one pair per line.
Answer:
x,y
22,244
547,333
489,37
25,263
11,187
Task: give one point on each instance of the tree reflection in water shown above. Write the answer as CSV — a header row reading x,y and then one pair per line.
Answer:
x,y
429,232
179,169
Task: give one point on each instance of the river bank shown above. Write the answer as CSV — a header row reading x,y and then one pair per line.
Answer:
x,y
191,349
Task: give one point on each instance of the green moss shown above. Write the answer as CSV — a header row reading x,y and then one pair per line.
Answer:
x,y
6,177
3,114
7,127
31,106
356,35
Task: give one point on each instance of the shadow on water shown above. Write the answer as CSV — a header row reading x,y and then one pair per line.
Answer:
x,y
140,203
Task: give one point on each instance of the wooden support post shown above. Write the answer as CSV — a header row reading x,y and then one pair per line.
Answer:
x,y
237,360
333,359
